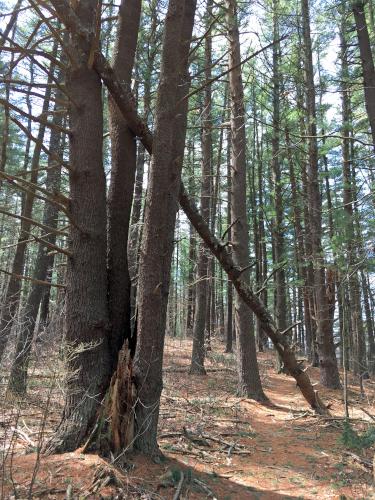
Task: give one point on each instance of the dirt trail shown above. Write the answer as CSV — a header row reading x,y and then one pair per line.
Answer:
x,y
226,447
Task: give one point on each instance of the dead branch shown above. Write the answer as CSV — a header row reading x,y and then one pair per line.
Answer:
x,y
46,228
28,278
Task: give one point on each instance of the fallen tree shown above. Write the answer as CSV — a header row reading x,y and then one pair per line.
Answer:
x,y
124,99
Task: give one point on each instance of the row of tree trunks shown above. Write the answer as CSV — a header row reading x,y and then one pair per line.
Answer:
x,y
45,258
125,103
12,298
154,292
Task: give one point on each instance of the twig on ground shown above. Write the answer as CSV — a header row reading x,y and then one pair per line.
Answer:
x,y
179,487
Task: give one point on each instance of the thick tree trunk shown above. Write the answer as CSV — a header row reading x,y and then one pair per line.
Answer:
x,y
120,196
161,208
249,383
87,322
329,375
202,290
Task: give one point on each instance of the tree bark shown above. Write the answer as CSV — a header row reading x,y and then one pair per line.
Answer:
x,y
202,287
120,196
329,375
161,205
86,329
249,383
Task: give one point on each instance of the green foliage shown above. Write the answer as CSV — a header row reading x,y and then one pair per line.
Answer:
x,y
354,441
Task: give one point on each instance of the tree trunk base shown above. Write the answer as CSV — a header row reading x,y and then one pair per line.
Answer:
x,y
196,369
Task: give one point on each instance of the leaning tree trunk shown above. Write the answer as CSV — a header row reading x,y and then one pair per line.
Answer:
x,y
249,383
86,328
220,251
120,196
329,375
202,294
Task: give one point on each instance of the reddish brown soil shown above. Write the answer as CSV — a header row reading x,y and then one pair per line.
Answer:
x,y
227,447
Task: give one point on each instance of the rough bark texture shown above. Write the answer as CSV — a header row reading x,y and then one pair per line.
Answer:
x,y
249,383
120,196
329,375
161,208
278,226
87,324
229,328
202,289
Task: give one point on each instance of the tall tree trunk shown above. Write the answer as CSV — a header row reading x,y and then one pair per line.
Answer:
x,y
369,324
229,329
329,375
249,383
120,196
161,208
278,229
202,306
136,218
86,328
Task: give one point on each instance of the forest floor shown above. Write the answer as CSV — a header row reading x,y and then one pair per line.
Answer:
x,y
215,444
